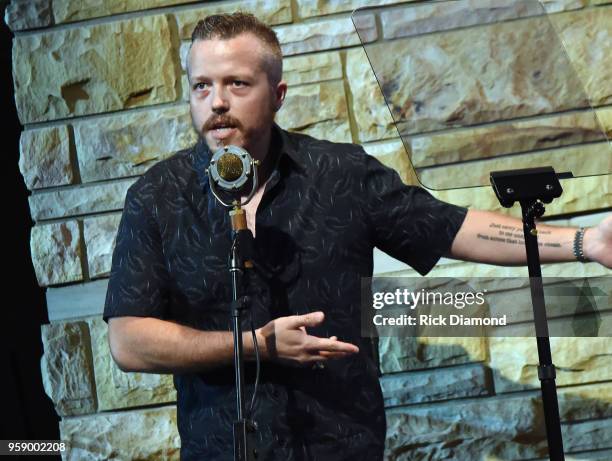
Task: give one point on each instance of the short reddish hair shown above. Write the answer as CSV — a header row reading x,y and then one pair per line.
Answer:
x,y
227,26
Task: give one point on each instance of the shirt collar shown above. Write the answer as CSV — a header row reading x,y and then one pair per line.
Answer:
x,y
288,147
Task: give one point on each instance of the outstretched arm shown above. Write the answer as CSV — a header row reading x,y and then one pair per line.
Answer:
x,y
152,345
494,238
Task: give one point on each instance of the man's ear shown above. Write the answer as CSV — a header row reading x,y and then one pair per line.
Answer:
x,y
280,92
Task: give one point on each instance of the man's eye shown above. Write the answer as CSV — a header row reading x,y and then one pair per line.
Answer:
x,y
200,86
239,83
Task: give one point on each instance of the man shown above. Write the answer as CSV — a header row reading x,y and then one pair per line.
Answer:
x,y
320,210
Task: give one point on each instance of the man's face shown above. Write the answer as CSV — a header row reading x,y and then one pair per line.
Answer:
x,y
232,99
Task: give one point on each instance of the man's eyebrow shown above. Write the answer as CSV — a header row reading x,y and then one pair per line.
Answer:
x,y
199,77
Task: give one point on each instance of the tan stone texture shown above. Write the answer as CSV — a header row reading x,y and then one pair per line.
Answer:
x,y
310,8
509,428
312,68
556,6
581,160
583,194
130,143
272,13
595,455
393,155
603,117
428,17
409,353
325,34
371,114
44,159
76,300
317,109
508,138
117,389
434,385
149,434
587,220
28,14
589,401
76,10
185,89
99,234
587,36
56,253
478,75
578,360
73,201
67,368
184,54
93,69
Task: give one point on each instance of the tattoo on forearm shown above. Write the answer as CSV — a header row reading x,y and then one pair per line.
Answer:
x,y
513,239
507,228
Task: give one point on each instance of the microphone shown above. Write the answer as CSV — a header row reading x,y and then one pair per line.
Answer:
x,y
229,172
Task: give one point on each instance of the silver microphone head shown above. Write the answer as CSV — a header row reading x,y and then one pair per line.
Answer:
x,y
230,168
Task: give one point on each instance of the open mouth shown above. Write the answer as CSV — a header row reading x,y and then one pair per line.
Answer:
x,y
221,131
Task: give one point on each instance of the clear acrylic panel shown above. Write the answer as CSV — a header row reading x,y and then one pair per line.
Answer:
x,y
474,86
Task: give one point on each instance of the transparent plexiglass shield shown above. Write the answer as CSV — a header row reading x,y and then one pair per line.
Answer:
x,y
474,86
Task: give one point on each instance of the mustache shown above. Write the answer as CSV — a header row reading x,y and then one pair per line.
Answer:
x,y
223,119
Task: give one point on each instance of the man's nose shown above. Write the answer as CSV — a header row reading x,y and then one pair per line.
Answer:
x,y
220,103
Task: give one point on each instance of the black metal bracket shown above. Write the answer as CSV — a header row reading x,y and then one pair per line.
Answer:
x,y
527,184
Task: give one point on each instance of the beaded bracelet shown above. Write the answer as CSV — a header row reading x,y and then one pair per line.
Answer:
x,y
579,245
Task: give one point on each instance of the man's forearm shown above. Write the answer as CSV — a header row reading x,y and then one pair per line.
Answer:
x,y
152,345
495,238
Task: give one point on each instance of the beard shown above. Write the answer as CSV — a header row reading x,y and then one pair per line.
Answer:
x,y
239,136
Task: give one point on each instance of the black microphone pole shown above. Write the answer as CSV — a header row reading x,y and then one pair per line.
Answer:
x,y
240,261
230,168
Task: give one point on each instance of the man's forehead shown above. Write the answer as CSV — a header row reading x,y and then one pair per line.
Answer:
x,y
244,45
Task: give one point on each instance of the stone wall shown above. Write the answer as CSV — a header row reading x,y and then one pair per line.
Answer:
x,y
101,91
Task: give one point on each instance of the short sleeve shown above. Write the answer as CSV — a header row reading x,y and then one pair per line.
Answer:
x,y
138,283
407,222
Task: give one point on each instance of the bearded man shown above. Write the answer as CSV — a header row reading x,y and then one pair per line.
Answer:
x,y
320,209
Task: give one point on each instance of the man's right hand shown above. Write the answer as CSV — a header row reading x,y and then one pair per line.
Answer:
x,y
286,340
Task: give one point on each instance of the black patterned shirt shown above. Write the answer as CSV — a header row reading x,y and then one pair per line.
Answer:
x,y
324,209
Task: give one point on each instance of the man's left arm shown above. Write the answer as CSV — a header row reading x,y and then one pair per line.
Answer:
x,y
494,238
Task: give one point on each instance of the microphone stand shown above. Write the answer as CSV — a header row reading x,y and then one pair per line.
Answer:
x,y
531,187
240,261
